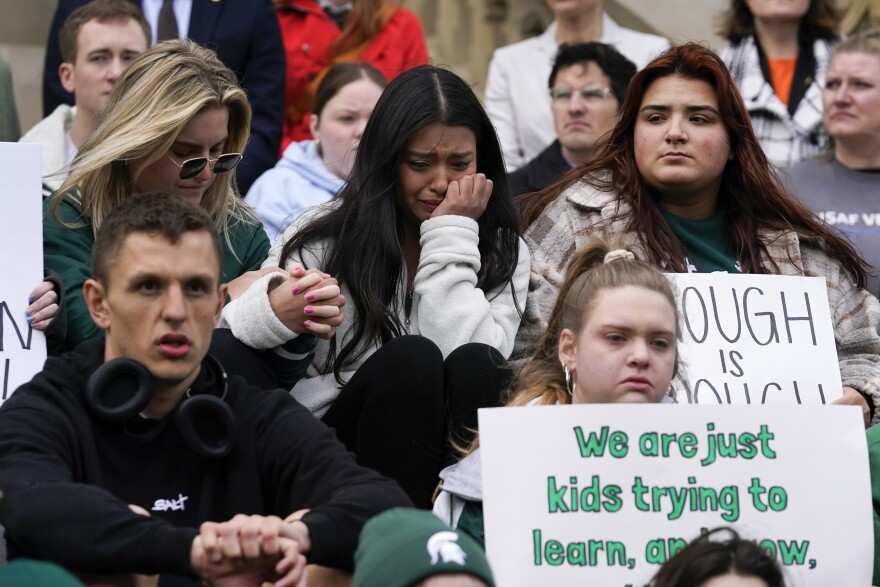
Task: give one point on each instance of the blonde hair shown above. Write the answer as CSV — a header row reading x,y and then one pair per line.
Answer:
x,y
864,42
160,92
860,15
543,378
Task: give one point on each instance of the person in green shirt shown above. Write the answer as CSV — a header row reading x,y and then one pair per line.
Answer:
x,y
176,121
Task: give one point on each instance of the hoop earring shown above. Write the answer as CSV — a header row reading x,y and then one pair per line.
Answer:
x,y
569,387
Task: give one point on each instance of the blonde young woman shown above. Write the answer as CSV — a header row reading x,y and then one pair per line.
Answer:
x,y
611,338
177,122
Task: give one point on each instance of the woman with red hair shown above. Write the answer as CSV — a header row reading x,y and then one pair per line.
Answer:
x,y
320,33
685,184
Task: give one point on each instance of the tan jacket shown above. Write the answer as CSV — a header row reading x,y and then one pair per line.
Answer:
x,y
582,212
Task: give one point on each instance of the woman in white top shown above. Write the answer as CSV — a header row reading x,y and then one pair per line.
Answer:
x,y
423,240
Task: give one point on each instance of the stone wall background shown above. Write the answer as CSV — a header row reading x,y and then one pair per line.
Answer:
x,y
461,33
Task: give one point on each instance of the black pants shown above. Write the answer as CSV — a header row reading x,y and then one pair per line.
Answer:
x,y
405,406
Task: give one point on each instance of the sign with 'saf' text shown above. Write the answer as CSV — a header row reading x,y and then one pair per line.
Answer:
x,y
755,339
22,349
605,494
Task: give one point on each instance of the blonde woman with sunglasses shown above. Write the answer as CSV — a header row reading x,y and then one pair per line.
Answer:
x,y
177,122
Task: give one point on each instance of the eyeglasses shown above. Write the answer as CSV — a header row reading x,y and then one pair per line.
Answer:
x,y
192,167
564,94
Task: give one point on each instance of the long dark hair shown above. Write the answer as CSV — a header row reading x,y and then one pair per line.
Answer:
x,y
708,557
364,231
751,194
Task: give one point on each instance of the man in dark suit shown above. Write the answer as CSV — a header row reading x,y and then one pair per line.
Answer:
x,y
246,36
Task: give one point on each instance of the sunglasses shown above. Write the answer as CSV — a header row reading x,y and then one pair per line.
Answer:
x,y
192,167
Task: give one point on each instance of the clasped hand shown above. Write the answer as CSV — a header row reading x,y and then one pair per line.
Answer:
x,y
248,550
43,305
851,397
308,301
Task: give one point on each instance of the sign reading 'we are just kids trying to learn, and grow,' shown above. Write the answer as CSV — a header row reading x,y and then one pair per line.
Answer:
x,y
22,349
604,494
755,339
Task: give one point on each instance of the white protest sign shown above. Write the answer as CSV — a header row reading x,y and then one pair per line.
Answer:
x,y
756,339
22,349
604,494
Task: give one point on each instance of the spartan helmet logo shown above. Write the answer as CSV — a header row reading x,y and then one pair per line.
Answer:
x,y
444,546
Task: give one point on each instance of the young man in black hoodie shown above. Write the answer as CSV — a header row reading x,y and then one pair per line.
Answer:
x,y
144,419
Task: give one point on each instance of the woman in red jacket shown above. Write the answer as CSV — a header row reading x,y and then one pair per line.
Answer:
x,y
320,33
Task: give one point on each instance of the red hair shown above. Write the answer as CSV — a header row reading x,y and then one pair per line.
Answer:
x,y
750,192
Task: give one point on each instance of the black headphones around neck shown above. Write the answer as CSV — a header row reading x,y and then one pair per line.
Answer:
x,y
119,390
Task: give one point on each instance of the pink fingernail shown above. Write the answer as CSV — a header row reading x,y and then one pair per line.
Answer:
x,y
307,323
310,296
295,290
308,310
297,268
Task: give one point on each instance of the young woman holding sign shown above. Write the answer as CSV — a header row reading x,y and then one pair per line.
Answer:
x,y
611,338
684,183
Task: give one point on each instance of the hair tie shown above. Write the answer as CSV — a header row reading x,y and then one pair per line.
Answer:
x,y
619,254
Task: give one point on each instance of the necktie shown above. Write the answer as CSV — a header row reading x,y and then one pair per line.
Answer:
x,y
167,26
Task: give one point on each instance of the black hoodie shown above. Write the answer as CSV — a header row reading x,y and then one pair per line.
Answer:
x,y
68,477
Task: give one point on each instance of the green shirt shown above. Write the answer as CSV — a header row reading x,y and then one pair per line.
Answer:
x,y
68,252
873,435
703,240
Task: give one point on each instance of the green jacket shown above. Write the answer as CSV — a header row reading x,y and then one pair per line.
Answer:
x,y
68,252
874,461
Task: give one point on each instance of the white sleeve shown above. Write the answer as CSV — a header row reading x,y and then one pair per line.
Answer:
x,y
452,310
501,111
251,318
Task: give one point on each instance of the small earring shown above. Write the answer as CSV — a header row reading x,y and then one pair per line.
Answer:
x,y
568,385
